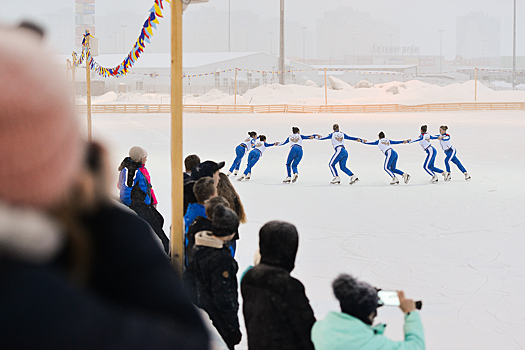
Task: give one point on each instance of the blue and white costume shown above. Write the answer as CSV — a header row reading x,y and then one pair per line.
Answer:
x,y
240,151
450,152
296,151
341,155
256,154
424,142
390,155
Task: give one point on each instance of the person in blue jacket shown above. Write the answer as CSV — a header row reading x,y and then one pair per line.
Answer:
x,y
424,141
255,155
390,157
296,153
351,329
241,149
450,151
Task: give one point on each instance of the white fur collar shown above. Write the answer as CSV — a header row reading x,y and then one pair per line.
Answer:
x,y
28,235
205,238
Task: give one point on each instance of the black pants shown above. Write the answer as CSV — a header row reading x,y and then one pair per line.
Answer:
x,y
151,215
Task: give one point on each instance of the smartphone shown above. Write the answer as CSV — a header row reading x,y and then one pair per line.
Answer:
x,y
388,298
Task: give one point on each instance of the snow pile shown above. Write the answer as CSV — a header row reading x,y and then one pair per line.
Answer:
x,y
500,85
393,89
106,98
363,84
310,83
338,84
213,97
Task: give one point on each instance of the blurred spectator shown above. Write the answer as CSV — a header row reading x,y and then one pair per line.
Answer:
x,y
204,169
225,189
352,327
137,193
66,284
190,162
276,310
212,275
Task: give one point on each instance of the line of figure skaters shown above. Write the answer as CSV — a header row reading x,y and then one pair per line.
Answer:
x,y
256,145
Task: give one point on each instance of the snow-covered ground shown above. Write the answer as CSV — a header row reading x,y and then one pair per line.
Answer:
x,y
458,246
412,92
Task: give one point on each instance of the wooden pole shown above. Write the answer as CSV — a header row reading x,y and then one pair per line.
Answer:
x,y
235,91
325,89
476,85
177,194
88,89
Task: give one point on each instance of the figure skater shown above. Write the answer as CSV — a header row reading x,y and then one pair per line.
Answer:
x,y
254,156
424,140
240,151
450,151
341,155
390,157
296,153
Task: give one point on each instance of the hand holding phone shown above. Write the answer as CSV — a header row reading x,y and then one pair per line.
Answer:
x,y
393,298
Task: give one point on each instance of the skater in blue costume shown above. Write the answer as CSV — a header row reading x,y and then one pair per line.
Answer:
x,y
390,157
296,153
240,151
255,155
341,155
450,151
424,141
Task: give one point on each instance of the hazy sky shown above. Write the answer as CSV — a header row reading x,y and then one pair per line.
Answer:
x,y
419,20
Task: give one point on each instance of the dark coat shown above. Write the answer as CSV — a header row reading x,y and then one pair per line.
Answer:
x,y
212,276
134,299
276,310
198,225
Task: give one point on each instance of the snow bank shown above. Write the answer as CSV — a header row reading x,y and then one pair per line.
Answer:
x,y
363,84
310,83
338,84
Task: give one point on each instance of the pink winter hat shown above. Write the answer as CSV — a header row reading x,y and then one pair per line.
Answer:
x,y
40,143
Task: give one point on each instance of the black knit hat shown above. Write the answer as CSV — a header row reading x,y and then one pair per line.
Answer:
x,y
358,299
225,221
207,168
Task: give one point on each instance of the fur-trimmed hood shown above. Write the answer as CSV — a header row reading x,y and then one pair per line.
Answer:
x,y
28,235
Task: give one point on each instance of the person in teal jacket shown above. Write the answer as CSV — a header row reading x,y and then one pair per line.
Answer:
x,y
351,329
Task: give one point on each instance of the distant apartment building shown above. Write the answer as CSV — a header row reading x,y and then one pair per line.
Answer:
x,y
478,38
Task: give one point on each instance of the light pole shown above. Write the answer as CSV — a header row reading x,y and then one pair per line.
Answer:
x,y
353,51
115,42
271,43
281,46
441,50
229,26
123,38
247,43
483,53
391,45
514,52
304,44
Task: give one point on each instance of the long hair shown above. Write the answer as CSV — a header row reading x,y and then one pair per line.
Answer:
x,y
225,189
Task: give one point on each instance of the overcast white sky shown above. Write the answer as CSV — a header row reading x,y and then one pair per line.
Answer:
x,y
419,20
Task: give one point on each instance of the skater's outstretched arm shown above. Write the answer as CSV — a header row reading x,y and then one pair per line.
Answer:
x,y
445,137
350,137
397,142
416,140
271,144
283,143
325,138
375,143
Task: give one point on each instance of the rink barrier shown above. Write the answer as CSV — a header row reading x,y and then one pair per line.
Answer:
x,y
381,108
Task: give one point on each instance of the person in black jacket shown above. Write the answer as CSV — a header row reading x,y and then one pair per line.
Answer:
x,y
212,275
190,162
276,310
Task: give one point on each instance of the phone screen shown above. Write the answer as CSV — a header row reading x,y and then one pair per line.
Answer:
x,y
388,298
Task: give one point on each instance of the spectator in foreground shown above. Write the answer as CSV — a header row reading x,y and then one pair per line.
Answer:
x,y
212,275
190,162
352,327
205,169
136,192
276,310
65,284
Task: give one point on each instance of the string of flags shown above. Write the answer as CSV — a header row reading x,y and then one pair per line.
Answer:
x,y
123,68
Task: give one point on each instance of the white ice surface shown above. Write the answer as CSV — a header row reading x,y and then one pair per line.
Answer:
x,y
458,246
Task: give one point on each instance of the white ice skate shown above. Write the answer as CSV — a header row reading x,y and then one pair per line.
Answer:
x,y
287,180
446,176
248,176
394,181
295,177
228,173
406,178
335,181
434,179
235,172
353,179
240,178
467,176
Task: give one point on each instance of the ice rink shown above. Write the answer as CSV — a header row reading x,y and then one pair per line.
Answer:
x,y
457,246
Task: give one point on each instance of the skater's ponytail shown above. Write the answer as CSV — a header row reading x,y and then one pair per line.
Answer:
x,y
444,127
381,135
423,128
295,130
252,134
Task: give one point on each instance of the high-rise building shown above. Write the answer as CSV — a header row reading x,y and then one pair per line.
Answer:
x,y
478,35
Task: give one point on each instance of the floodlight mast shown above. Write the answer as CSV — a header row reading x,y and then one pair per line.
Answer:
x,y
186,3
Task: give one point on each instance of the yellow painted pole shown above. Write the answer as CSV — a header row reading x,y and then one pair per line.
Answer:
x,y
476,85
177,194
325,89
235,91
88,89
